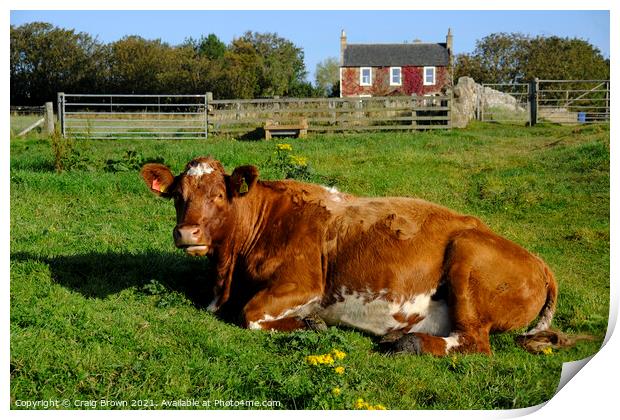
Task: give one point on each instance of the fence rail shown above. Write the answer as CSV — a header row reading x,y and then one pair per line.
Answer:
x,y
25,119
123,116
105,116
333,114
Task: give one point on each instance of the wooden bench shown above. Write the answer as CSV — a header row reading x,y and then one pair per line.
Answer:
x,y
273,128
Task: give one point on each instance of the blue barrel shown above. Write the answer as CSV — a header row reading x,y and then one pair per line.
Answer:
x,y
581,117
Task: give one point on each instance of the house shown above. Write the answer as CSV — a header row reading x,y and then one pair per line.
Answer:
x,y
416,68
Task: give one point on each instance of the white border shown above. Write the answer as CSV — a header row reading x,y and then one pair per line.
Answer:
x,y
592,394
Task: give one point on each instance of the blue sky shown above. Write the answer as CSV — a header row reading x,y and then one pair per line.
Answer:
x,y
318,32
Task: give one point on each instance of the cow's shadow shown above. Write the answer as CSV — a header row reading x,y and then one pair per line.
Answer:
x,y
99,275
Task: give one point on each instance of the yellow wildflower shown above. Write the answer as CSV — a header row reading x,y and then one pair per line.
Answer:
x,y
360,404
320,359
299,160
338,355
339,370
284,146
336,391
547,350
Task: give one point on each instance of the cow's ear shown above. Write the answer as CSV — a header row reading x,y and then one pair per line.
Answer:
x,y
242,180
158,178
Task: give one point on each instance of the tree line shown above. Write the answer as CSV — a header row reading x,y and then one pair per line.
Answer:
x,y
46,59
515,57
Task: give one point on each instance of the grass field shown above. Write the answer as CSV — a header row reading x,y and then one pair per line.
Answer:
x,y
104,307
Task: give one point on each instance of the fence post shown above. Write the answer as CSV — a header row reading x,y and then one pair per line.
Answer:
x,y
61,112
607,113
533,101
49,117
414,113
208,99
449,112
481,102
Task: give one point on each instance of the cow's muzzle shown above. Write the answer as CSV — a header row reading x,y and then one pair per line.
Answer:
x,y
191,239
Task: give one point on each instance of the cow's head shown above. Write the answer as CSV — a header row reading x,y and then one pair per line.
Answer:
x,y
203,195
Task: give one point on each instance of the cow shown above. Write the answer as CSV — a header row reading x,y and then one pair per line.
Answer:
x,y
435,281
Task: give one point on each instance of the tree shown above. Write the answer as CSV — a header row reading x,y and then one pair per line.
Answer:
x,y
45,60
282,64
564,58
497,58
327,77
136,63
210,47
505,58
243,69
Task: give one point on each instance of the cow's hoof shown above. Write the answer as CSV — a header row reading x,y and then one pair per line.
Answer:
x,y
315,323
408,343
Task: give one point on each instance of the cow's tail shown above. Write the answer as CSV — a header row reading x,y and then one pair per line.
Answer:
x,y
542,338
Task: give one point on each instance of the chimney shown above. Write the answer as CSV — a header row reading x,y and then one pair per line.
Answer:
x,y
449,41
343,46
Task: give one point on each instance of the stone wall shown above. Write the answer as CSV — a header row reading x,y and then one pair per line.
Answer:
x,y
469,96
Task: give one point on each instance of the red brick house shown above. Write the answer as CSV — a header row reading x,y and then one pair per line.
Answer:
x,y
395,69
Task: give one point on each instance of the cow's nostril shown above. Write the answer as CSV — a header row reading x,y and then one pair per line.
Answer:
x,y
187,235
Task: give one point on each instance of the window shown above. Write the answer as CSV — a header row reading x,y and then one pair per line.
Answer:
x,y
395,78
429,75
365,76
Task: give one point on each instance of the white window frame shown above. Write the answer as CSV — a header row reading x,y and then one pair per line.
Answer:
x,y
362,76
434,76
400,76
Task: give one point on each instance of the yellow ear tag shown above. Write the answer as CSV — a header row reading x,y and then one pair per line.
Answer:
x,y
162,189
243,188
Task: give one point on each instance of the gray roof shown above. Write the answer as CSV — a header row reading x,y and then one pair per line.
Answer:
x,y
377,55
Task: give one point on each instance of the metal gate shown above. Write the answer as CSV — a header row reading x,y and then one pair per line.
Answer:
x,y
504,102
555,101
101,116
572,101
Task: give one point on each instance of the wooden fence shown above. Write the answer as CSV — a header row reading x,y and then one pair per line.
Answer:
x,y
244,117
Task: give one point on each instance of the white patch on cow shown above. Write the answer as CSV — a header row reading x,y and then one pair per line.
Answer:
x,y
373,313
213,305
300,311
202,168
436,319
543,323
335,195
451,341
254,325
332,190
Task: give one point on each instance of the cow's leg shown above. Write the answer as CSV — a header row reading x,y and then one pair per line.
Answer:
x,y
470,327
281,307
493,284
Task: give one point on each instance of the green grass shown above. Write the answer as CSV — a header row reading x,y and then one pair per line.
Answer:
x,y
104,307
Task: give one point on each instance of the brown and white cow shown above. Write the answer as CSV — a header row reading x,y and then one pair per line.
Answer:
x,y
439,280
